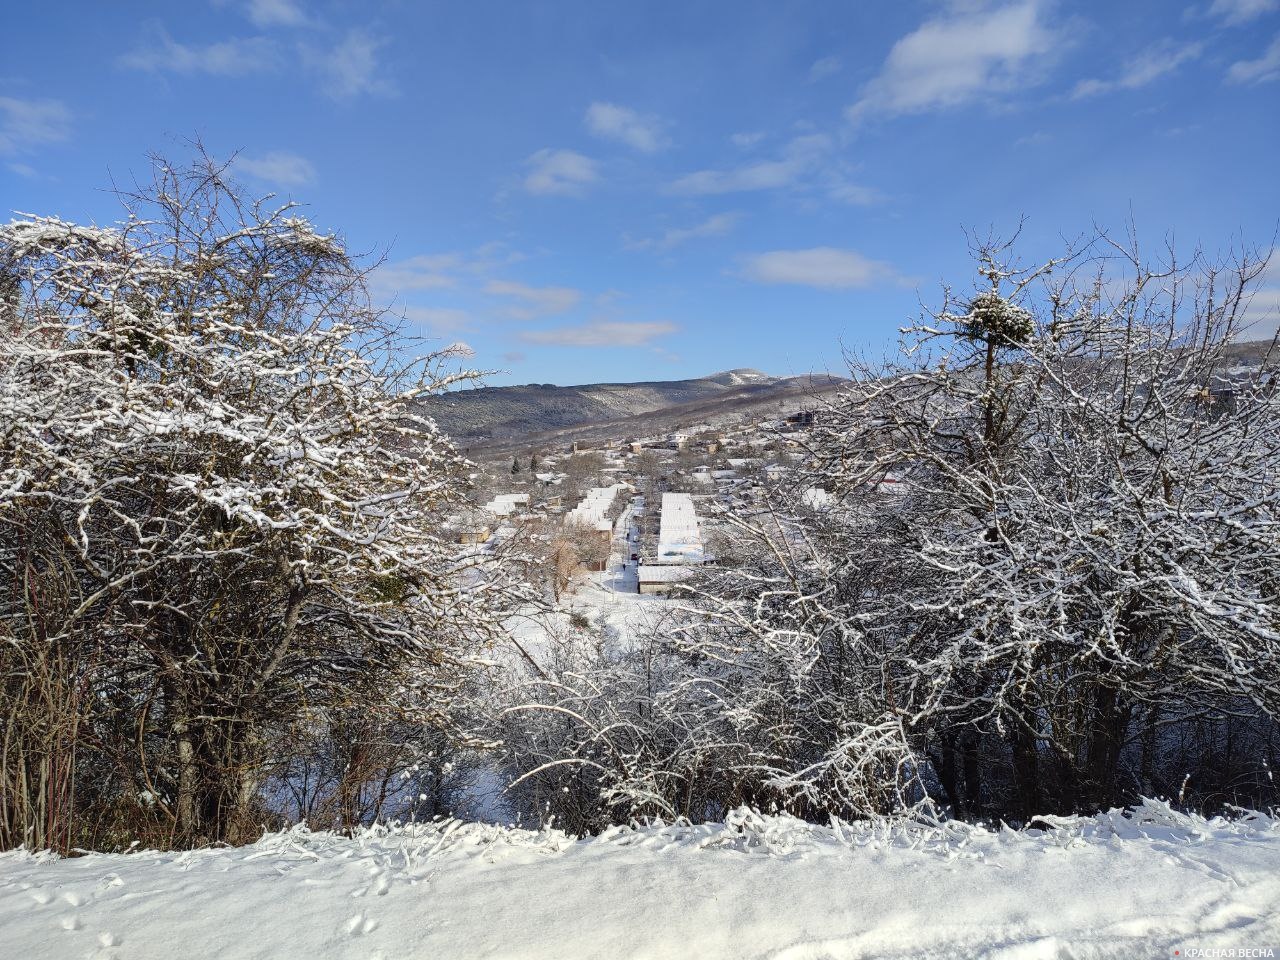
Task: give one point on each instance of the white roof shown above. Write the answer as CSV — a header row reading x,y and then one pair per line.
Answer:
x,y
662,574
594,506
679,538
505,503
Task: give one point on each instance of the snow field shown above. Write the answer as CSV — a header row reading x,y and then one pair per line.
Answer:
x,y
1137,884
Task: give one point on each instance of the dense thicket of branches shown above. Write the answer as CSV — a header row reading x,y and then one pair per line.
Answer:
x,y
1043,575
217,516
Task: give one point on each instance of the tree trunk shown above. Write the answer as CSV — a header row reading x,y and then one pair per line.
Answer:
x,y
1026,774
972,773
188,801
1109,724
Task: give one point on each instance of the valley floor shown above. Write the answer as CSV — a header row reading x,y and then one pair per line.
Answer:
x,y
1144,884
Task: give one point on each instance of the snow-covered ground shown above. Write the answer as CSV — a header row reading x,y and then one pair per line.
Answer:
x,y
1142,885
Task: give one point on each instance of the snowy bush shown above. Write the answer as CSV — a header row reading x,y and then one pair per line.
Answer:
x,y
1045,579
217,509
1054,554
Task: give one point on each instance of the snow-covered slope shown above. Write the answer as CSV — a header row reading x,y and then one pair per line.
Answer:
x,y
530,408
1138,885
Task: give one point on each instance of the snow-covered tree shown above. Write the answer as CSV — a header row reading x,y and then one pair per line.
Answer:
x,y
208,441
1054,528
1043,574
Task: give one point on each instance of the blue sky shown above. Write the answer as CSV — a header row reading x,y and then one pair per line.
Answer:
x,y
588,191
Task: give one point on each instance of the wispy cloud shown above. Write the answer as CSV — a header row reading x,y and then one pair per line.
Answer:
x,y
430,271
745,141
160,53
26,124
801,156
269,13
350,67
826,67
534,301
854,194
1265,68
807,162
275,13
609,121
441,271
437,320
561,172
1235,12
344,69
827,268
602,333
1148,66
278,167
960,57
716,225
1035,139
1261,317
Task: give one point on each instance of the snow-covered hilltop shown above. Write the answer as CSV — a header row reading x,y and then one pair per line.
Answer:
x,y
494,415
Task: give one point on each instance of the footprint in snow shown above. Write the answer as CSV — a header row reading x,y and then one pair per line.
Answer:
x,y
360,924
378,887
70,922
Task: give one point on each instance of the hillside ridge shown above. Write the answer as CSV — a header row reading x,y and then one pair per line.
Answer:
x,y
501,412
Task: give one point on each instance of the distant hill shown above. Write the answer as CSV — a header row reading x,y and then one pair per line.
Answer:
x,y
500,413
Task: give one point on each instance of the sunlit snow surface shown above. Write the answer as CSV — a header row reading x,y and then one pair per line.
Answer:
x,y
1141,884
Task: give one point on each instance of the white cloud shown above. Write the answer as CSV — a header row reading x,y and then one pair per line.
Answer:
x,y
610,121
827,268
1261,316
1235,12
440,271
716,225
279,167
432,271
559,172
801,156
350,67
159,52
808,162
275,13
602,333
345,70
960,57
535,301
437,319
26,124
744,141
852,193
826,67
1148,66
1265,68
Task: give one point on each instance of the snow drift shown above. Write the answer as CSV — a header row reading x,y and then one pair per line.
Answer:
x,y
1136,883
